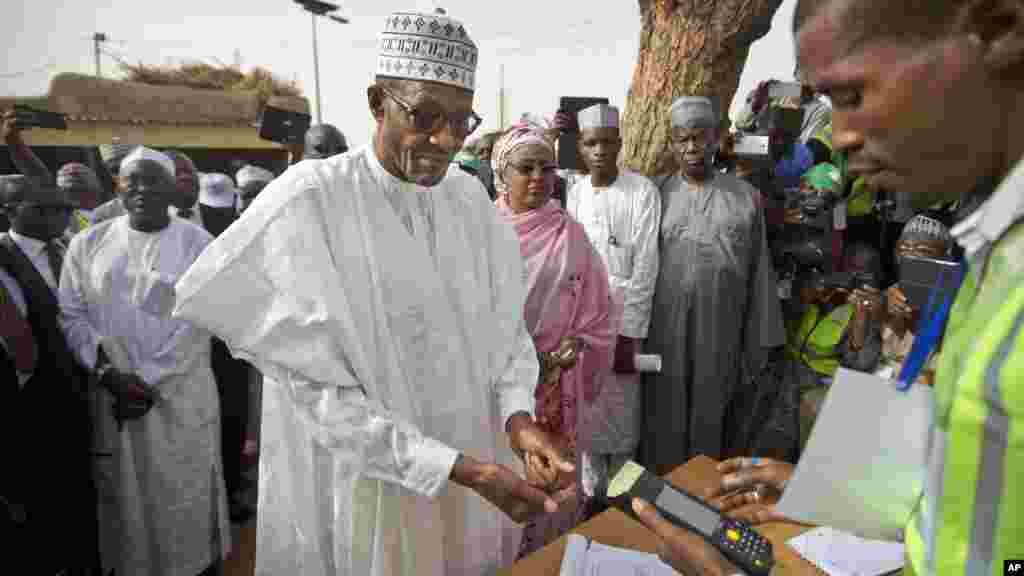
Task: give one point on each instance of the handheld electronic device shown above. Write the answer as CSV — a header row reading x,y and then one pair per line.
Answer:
x,y
283,126
919,275
28,117
736,540
568,158
752,147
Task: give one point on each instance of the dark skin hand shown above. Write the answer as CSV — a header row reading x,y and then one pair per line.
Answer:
x,y
749,487
132,397
683,550
546,464
867,302
506,490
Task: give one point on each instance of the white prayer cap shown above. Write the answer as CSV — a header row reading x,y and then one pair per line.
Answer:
x,y
250,173
921,228
143,153
427,47
217,190
693,112
598,116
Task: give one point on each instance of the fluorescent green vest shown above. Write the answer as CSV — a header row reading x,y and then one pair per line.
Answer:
x,y
971,514
821,352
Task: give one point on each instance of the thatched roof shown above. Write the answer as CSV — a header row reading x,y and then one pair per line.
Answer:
x,y
92,99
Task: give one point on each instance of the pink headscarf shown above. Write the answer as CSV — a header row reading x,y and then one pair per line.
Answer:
x,y
516,137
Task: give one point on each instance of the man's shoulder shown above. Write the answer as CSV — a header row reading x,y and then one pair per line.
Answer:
x,y
635,179
92,234
190,230
733,183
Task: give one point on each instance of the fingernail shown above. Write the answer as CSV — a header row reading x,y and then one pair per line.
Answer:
x,y
639,506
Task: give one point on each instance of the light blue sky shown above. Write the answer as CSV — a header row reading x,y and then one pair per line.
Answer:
x,y
550,48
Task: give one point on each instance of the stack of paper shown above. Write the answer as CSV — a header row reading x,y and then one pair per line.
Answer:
x,y
585,557
843,554
863,468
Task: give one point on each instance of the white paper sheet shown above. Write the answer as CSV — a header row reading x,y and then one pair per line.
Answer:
x,y
839,553
585,557
864,464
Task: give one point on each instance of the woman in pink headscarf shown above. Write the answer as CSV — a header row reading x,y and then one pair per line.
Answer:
x,y
568,306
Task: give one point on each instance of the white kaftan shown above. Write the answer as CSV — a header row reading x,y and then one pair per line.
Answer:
x,y
622,224
387,320
161,496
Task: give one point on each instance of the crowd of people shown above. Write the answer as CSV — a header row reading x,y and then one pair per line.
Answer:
x,y
433,343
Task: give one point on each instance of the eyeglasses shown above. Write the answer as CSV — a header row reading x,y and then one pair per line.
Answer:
x,y
529,169
430,120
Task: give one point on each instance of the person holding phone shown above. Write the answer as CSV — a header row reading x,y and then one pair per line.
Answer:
x,y
905,85
922,237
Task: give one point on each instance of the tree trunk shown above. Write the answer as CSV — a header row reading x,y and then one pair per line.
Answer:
x,y
687,48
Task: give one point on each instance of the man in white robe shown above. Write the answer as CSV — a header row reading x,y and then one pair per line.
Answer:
x,y
162,507
620,211
381,296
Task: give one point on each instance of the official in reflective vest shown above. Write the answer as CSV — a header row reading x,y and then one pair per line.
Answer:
x,y
970,518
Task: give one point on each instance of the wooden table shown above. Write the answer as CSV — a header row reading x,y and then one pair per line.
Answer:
x,y
614,528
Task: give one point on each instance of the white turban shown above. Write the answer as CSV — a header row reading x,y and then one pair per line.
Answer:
x,y
691,112
250,173
143,153
598,116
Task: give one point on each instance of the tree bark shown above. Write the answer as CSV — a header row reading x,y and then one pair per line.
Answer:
x,y
687,48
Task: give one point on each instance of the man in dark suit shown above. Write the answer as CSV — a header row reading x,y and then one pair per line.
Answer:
x,y
47,502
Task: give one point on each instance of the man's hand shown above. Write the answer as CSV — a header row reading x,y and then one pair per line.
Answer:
x,y
868,302
746,474
565,122
626,349
898,310
133,398
544,462
506,490
681,549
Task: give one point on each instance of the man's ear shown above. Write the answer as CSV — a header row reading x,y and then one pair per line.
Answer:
x,y
998,27
375,98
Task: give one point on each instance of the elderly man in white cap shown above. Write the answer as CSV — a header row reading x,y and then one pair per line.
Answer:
x,y
381,296
162,507
715,305
620,211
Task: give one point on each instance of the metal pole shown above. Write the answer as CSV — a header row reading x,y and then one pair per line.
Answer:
x,y
96,39
316,71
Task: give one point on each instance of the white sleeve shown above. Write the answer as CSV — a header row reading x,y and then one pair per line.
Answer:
x,y
517,384
639,293
394,450
82,337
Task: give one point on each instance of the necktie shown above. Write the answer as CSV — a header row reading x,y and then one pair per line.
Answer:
x,y
16,333
55,256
